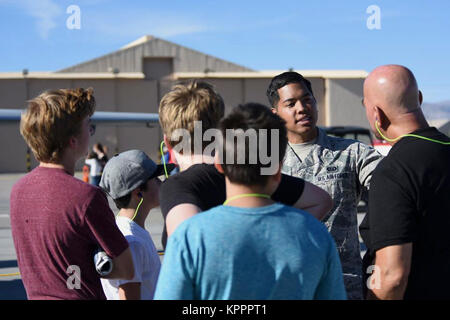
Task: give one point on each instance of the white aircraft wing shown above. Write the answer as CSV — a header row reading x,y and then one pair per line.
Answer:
x,y
10,115
99,117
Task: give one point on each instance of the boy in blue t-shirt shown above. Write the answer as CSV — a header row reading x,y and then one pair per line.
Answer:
x,y
251,247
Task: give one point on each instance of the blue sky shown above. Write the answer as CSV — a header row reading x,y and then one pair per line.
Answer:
x,y
320,34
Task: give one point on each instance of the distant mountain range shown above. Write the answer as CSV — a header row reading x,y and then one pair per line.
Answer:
x,y
438,110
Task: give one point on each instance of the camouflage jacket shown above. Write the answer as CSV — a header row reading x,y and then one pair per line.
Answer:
x,y
342,167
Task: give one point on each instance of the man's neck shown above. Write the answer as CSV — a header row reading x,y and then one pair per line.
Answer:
x,y
67,165
140,217
296,138
187,161
236,190
405,124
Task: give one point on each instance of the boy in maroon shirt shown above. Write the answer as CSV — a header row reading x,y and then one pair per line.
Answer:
x,y
58,221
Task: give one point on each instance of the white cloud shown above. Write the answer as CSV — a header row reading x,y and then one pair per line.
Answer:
x,y
44,12
362,16
134,24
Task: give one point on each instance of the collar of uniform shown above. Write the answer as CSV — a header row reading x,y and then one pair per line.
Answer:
x,y
323,139
315,154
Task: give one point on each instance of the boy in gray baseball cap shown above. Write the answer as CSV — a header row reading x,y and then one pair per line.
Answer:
x,y
131,180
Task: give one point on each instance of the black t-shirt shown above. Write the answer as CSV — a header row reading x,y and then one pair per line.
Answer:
x,y
409,201
204,186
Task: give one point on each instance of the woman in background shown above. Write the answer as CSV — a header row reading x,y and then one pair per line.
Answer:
x,y
95,173
101,153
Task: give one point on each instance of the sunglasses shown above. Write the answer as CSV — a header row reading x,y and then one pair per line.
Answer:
x,y
92,128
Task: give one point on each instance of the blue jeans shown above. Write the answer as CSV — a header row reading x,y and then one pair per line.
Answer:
x,y
95,180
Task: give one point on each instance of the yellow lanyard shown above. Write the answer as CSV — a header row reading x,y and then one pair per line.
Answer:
x,y
164,159
135,211
260,195
409,135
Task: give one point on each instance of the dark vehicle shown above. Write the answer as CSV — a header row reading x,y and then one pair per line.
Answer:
x,y
348,132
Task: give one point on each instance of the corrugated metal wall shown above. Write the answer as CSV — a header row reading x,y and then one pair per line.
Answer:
x,y
131,59
125,95
345,107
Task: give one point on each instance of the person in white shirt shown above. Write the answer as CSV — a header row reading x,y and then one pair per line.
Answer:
x,y
95,169
131,179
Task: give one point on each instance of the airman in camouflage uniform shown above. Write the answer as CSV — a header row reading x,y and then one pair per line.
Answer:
x,y
342,167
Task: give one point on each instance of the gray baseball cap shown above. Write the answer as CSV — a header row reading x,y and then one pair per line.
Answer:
x,y
126,171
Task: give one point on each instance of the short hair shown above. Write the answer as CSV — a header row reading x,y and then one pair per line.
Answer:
x,y
92,155
52,118
187,103
251,116
99,146
124,201
280,81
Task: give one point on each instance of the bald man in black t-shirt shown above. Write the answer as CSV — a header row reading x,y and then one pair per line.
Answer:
x,y
407,228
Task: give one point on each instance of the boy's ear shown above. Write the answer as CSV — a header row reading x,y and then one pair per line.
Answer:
x,y
135,193
278,174
217,163
73,142
167,143
218,167
274,110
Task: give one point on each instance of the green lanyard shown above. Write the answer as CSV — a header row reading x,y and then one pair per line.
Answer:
x,y
409,135
164,159
135,211
259,195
